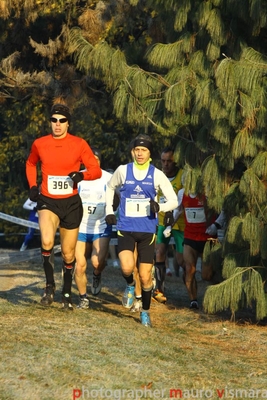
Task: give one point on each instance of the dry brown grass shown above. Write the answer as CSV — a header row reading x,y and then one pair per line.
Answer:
x,y
46,353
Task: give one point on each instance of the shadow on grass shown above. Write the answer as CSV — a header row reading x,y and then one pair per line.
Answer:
x,y
23,284
30,294
21,294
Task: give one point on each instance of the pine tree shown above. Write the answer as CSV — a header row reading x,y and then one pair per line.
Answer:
x,y
188,72
204,87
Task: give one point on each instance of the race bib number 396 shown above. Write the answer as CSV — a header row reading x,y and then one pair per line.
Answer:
x,y
59,185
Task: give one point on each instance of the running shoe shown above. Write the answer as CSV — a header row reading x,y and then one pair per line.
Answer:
x,y
115,264
159,296
137,305
194,305
96,284
23,247
84,303
168,272
48,296
128,296
145,319
66,302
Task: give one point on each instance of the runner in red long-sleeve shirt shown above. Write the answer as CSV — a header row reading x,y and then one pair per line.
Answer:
x,y
60,156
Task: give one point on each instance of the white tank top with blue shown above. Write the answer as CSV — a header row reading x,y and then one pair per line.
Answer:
x,y
134,209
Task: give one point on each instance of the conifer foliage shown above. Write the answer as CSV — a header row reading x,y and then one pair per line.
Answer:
x,y
190,72
204,87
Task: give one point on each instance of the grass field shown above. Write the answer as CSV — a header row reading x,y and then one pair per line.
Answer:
x,y
105,353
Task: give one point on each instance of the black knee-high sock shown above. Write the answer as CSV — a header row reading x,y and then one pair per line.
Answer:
x,y
67,272
129,279
48,264
160,272
146,298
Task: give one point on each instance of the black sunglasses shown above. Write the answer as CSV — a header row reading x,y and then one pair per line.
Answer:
x,y
61,120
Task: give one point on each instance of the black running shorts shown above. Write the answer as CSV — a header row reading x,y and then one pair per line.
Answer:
x,y
145,243
69,210
197,245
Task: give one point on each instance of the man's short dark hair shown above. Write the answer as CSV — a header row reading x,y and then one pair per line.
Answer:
x,y
168,149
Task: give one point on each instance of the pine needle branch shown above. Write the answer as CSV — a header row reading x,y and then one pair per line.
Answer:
x,y
244,286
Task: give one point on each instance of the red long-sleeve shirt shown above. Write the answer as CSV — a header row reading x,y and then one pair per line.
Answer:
x,y
58,158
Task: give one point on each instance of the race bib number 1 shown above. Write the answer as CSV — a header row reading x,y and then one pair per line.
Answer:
x,y
137,208
59,185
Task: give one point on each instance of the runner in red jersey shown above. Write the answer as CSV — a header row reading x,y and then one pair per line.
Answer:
x,y
60,156
195,238
196,223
